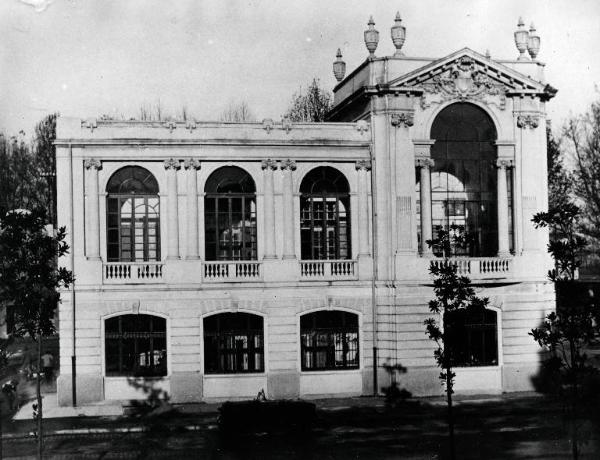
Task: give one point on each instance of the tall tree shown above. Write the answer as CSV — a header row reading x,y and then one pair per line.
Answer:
x,y
583,135
567,333
453,294
311,105
30,280
45,163
17,175
560,183
237,112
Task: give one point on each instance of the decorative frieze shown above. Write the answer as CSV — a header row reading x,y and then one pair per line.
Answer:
x,y
529,120
402,118
363,165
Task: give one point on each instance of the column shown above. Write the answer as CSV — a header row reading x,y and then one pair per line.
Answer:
x,y
192,165
268,167
172,165
502,166
289,248
362,166
93,231
425,164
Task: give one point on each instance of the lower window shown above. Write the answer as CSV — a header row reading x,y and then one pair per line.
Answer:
x,y
473,336
136,345
329,341
233,343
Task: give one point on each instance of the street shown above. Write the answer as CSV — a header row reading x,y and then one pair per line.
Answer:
x,y
524,427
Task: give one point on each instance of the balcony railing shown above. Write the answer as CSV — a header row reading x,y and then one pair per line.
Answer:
x,y
132,272
328,270
479,267
232,271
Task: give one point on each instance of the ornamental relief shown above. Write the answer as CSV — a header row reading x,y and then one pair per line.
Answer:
x,y
463,81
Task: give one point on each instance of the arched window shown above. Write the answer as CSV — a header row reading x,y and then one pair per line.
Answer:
x,y
233,343
230,215
325,215
133,218
473,336
463,178
135,345
329,341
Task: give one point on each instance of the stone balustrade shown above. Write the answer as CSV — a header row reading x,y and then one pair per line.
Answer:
x,y
132,272
231,271
479,267
328,270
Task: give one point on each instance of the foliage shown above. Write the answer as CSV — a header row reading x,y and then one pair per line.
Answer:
x,y
560,183
453,293
237,113
567,332
583,135
29,279
311,105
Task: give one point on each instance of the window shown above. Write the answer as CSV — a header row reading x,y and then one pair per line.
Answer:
x,y
136,345
473,336
233,343
230,215
325,215
329,341
133,218
463,178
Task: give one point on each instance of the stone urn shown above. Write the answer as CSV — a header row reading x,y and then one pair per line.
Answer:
x,y
398,35
533,43
521,39
371,37
339,67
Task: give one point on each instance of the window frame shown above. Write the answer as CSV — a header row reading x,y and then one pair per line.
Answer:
x,y
155,335
250,352
330,348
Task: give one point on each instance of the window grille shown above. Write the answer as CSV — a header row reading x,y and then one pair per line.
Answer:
x,y
473,337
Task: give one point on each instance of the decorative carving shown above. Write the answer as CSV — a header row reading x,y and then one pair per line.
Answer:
x,y
462,81
286,124
402,118
92,163
172,163
424,162
135,307
530,121
288,165
90,123
268,125
398,34
362,126
170,125
191,163
190,125
363,165
269,164
504,163
371,37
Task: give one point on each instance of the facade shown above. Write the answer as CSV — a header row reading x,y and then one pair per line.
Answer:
x,y
213,260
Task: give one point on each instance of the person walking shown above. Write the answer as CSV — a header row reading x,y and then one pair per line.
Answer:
x,y
48,366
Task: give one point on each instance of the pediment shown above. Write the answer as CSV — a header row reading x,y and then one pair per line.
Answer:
x,y
466,74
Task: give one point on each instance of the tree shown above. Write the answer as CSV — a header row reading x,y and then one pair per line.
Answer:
x,y
17,175
567,332
583,135
45,163
453,294
310,106
560,183
237,113
30,279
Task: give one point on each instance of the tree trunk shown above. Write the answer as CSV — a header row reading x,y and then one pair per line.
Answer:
x,y
450,415
40,445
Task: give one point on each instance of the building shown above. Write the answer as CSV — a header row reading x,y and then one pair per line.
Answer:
x,y
213,260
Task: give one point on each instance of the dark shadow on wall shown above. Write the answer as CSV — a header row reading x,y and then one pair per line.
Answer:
x,y
394,393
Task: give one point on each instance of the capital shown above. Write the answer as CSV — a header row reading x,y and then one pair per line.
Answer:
x,y
92,163
288,165
269,164
191,163
363,165
424,162
504,163
172,163
402,118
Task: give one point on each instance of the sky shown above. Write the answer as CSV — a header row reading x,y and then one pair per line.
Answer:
x,y
85,58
